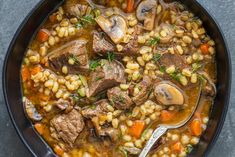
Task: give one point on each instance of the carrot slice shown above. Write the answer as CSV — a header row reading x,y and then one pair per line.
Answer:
x,y
137,128
196,127
59,151
43,97
205,48
52,18
35,70
130,6
166,115
43,35
25,73
39,127
177,147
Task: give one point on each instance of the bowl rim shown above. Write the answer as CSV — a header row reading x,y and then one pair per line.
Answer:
x,y
4,69
208,14
227,99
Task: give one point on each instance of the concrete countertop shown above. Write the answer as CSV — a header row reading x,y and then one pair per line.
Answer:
x,y
12,12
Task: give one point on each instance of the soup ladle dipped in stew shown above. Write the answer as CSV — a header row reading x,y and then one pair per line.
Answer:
x,y
161,130
100,76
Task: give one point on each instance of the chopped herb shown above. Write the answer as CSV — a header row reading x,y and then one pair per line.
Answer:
x,y
85,20
118,98
109,67
202,79
75,58
98,78
94,64
162,69
196,66
156,57
93,107
111,56
189,148
146,130
154,41
128,113
176,76
123,151
88,19
75,97
79,25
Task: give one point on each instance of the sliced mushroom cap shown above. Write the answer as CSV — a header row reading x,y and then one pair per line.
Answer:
x,y
31,111
115,26
146,12
144,8
168,94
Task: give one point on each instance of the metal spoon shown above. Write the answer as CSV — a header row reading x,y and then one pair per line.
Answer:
x,y
161,130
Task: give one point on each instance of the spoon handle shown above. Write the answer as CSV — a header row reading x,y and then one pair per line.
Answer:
x,y
155,136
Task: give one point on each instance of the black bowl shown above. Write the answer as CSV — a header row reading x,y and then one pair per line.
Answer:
x,y
13,92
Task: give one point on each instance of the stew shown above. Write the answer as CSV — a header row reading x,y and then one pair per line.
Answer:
x,y
100,76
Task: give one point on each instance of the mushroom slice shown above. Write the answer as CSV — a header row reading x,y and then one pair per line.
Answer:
x,y
168,94
31,111
115,26
146,12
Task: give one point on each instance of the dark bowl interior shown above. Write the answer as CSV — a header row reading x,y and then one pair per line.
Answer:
x,y
18,46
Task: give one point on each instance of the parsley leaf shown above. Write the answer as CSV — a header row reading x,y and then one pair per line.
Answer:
x,y
111,56
85,20
162,69
196,66
75,97
202,79
94,64
98,78
156,57
75,58
79,25
176,76
189,148
88,19
123,151
153,41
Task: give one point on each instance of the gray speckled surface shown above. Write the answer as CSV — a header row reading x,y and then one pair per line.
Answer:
x,y
12,12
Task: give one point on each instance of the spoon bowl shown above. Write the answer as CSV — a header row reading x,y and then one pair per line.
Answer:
x,y
162,129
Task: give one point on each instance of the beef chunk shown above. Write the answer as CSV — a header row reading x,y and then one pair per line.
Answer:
x,y
145,89
168,59
108,75
101,45
100,108
65,105
120,99
75,50
67,126
62,104
75,9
